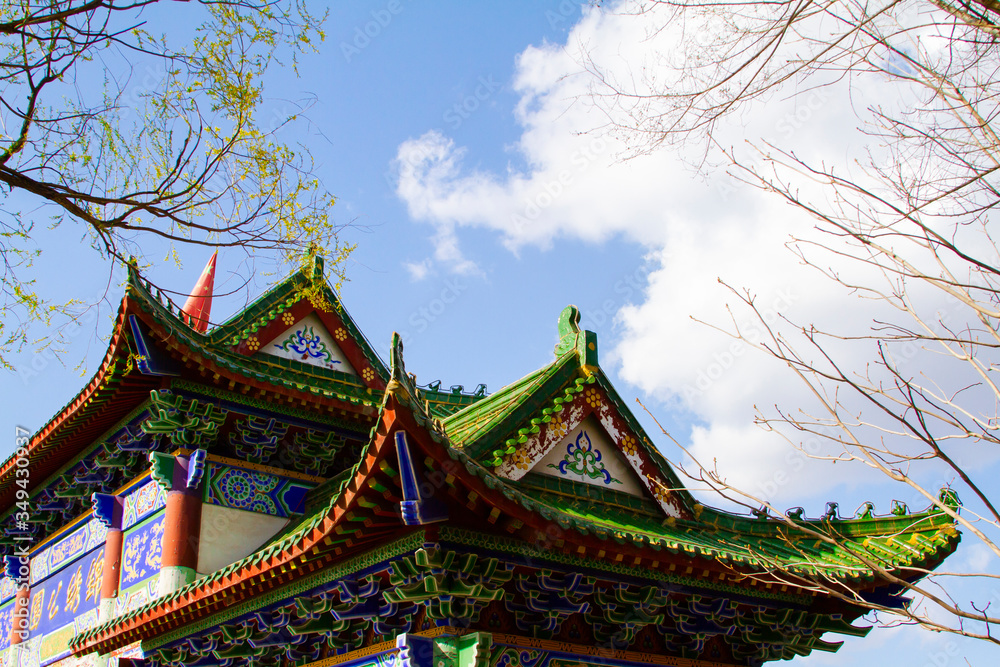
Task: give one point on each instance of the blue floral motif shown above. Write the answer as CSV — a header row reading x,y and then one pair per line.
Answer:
x,y
582,458
307,343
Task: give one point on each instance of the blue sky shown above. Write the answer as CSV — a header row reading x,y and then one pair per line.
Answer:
x,y
454,136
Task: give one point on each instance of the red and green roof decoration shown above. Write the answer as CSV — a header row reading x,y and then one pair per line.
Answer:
x,y
97,441
425,489
541,512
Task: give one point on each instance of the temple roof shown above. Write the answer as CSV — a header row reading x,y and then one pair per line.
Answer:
x,y
659,525
555,458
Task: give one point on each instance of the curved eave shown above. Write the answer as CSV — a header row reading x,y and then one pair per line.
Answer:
x,y
109,396
488,422
307,389
307,549
919,541
922,542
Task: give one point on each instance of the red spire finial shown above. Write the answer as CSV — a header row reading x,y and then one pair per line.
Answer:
x,y
198,307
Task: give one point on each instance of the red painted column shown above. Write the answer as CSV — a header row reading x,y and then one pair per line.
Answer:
x,y
112,563
181,520
108,510
181,527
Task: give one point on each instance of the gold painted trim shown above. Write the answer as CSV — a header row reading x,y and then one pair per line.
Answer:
x,y
382,647
246,465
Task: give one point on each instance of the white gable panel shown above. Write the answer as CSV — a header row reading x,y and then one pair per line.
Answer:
x,y
228,534
589,456
308,341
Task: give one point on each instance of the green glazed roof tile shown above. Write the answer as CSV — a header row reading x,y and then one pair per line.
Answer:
x,y
504,411
744,540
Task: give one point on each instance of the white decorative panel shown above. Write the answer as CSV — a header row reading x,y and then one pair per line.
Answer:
x,y
227,535
588,455
308,341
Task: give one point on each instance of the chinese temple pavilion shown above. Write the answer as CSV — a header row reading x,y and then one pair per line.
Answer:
x,y
269,492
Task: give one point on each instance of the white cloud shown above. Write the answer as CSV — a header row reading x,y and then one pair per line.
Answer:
x,y
419,270
699,229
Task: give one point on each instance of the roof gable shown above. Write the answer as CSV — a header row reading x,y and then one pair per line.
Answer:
x,y
513,430
308,340
587,454
587,439
478,427
304,302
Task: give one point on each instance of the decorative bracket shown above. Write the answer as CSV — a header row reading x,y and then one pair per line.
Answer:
x,y
161,469
196,468
188,423
471,650
107,509
418,507
190,471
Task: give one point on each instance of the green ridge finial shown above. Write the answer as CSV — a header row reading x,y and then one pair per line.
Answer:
x,y
572,337
569,321
569,328
396,367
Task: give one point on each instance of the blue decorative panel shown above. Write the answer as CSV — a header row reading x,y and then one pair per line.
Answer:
x,y
141,502
67,549
65,593
141,551
64,604
6,623
7,589
255,491
132,598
